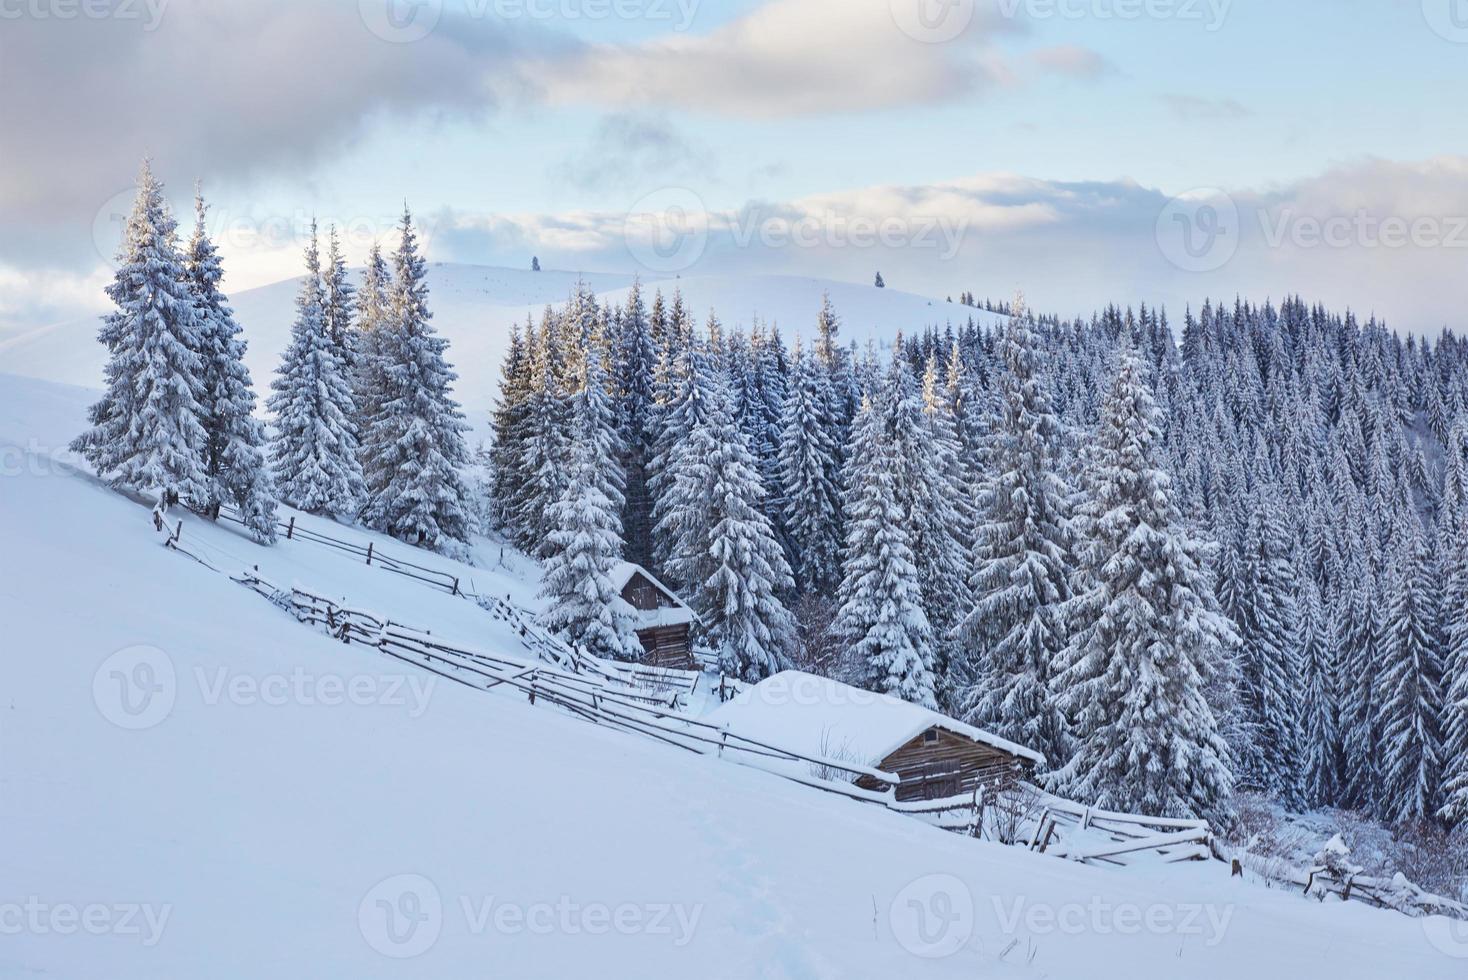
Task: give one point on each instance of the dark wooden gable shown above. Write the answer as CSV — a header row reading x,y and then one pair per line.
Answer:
x,y
642,593
938,764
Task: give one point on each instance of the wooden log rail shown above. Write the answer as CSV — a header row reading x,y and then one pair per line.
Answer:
x,y
545,646
614,706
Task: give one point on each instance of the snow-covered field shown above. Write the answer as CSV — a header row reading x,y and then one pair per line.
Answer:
x,y
193,784
476,306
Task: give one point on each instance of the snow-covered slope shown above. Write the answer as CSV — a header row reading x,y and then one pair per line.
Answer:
x,y
475,307
193,784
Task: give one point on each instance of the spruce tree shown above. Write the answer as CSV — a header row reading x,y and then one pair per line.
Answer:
x,y
315,449
1268,625
721,546
811,501
1021,563
1149,635
374,309
146,433
545,448
511,418
881,619
635,363
1411,696
585,542
1320,701
414,445
234,441
339,304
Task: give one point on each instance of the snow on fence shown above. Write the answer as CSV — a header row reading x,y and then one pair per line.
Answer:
x,y
620,699
593,699
532,637
1344,881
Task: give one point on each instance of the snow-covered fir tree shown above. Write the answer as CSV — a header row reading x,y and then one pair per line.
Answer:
x,y
1022,562
1411,697
584,546
1319,700
314,452
339,304
234,440
635,361
721,545
373,308
146,432
1266,617
881,619
1148,632
811,501
509,482
414,445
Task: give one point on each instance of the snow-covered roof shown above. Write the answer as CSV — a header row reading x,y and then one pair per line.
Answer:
x,y
677,615
816,716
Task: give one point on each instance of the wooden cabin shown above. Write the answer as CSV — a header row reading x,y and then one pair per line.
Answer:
x,y
937,757
664,621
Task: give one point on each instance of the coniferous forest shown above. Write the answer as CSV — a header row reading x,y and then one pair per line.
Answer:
x,y
1230,554
1181,561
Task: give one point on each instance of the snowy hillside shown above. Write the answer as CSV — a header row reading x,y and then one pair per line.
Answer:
x,y
193,784
475,307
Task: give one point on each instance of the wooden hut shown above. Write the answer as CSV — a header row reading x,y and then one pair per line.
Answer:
x,y
664,622
937,757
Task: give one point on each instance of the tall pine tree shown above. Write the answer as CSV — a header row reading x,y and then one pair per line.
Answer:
x,y
414,445
315,449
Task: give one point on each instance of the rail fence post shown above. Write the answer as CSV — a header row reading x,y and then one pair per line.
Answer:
x,y
369,552
290,529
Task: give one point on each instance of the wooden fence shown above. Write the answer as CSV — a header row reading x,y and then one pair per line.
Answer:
x,y
531,636
594,699
637,701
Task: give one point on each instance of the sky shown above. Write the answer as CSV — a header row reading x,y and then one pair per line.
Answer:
x,y
1086,152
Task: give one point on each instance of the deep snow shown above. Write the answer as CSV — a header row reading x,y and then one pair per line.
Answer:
x,y
177,775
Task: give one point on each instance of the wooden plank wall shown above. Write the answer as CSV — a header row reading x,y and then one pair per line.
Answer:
x,y
947,767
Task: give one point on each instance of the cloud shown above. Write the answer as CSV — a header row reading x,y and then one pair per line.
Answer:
x,y
1072,60
1192,107
785,58
232,91
1388,237
627,147
1374,235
